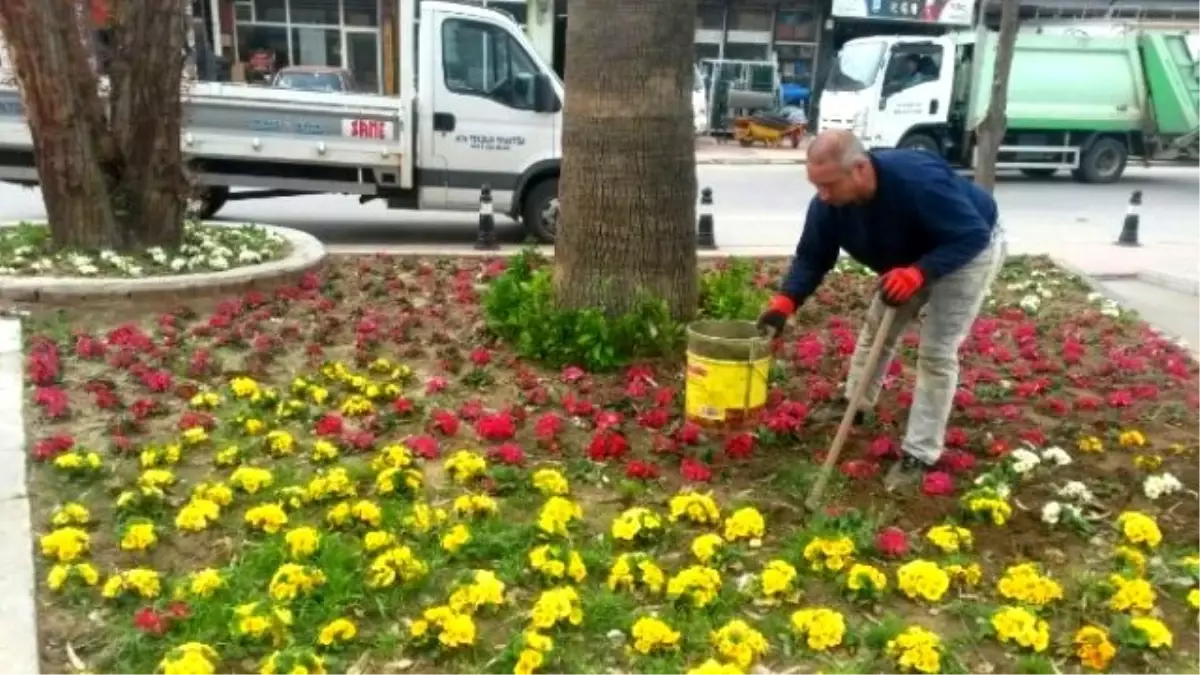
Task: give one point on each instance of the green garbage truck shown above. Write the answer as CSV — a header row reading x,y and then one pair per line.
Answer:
x,y
1079,103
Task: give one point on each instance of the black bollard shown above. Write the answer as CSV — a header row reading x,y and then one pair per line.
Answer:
x,y
705,237
487,221
1129,230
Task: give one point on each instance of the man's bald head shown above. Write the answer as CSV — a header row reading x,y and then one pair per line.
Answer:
x,y
837,145
839,167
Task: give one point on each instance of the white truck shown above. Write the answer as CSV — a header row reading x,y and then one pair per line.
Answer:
x,y
476,106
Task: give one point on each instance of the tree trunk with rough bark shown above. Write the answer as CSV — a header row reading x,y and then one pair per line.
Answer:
x,y
110,166
992,127
628,185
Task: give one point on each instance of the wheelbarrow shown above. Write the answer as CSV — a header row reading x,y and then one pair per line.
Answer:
x,y
771,131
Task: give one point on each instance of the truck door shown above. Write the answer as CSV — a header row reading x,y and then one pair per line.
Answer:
x,y
486,129
918,84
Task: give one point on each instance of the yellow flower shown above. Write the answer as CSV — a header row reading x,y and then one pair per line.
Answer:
x,y
828,554
205,400
987,502
550,483
651,634
254,426
1148,462
528,661
78,460
537,642
916,649
251,479
423,518
1093,647
475,505
249,621
356,406
292,580
190,658
557,514
70,513
697,583
194,435
377,539
336,631
1025,584
865,580
324,450
302,541
1193,598
1131,595
203,583
197,515
1020,626
280,443
485,589
636,570
60,574
1132,438
638,522
1155,632
1139,528
1132,557
335,482
950,538
715,667
293,662
392,456
138,537
228,456
923,580
822,628
739,642
699,508
556,605
145,582
244,387
464,466
456,538
269,518
705,546
745,523
65,544
1091,444
777,579
968,575
367,512
395,563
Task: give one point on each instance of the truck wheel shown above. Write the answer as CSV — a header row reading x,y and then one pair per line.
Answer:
x,y
921,142
1038,173
1103,162
540,211
205,203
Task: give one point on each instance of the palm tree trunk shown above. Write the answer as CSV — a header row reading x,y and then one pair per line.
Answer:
x,y
628,185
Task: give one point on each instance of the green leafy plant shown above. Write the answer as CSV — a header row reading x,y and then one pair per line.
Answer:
x,y
730,292
520,309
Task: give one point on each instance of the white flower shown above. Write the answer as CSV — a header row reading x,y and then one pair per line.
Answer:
x,y
1056,456
1031,303
42,265
1024,461
1159,485
178,264
1051,512
217,262
1075,491
157,254
248,256
6,271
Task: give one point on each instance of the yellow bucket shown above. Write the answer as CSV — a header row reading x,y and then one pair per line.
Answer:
x,y
728,363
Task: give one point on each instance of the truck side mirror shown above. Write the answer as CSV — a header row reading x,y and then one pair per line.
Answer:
x,y
544,98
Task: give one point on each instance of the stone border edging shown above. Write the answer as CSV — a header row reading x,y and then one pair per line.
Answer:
x,y
1171,282
18,582
307,253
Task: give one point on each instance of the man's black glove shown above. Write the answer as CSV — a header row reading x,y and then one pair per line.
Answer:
x,y
775,316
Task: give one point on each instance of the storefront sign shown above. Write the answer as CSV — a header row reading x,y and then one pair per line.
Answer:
x,y
948,12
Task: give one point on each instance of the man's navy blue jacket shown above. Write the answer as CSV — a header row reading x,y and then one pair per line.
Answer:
x,y
923,214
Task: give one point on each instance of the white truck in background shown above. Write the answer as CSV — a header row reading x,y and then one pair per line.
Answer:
x,y
476,106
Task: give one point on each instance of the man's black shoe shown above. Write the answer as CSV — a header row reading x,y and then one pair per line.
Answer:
x,y
906,472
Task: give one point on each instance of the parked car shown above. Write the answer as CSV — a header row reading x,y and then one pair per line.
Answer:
x,y
314,78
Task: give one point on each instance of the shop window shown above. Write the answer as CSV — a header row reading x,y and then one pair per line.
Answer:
x,y
796,25
270,10
481,59
361,12
316,46
710,17
316,12
750,18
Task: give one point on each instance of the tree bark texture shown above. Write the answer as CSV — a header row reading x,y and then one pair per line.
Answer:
x,y
628,185
992,127
110,167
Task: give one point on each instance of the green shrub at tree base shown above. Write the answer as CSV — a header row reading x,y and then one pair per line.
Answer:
x,y
520,309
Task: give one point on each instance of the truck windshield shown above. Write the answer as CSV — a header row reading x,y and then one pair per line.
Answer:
x,y
856,67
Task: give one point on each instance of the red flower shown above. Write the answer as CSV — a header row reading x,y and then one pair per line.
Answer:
x,y
403,406
144,408
654,418
496,427
963,398
53,402
639,470
607,419
937,484
150,621
471,410
444,422
637,389
956,437
480,357
359,440
607,444
859,469
329,425
577,407
695,471
423,446
892,542
177,609
89,348
572,374
688,434
48,448
436,385
881,448
663,445
547,428
509,453
957,461
192,418
1034,437
664,397
1119,399
739,446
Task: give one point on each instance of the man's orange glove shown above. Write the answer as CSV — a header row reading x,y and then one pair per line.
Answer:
x,y
775,316
899,285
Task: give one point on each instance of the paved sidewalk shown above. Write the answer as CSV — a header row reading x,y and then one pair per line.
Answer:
x,y
711,151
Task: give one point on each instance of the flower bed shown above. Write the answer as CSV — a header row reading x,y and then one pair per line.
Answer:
x,y
347,475
25,251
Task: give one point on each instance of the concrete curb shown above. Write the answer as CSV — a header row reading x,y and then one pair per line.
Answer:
x,y
507,251
1172,282
1094,282
18,583
307,253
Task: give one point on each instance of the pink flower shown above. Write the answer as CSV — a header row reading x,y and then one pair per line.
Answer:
x,y
509,453
496,427
937,484
892,542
